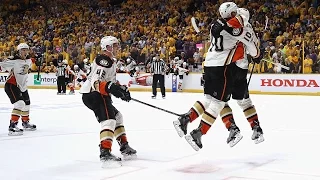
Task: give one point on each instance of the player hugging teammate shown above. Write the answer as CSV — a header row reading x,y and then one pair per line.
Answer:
x,y
231,38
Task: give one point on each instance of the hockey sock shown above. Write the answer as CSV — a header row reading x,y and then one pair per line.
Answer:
x,y
25,113
15,115
206,122
107,133
196,110
227,116
120,134
251,115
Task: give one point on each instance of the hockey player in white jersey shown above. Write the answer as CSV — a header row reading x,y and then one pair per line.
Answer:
x,y
101,84
181,71
240,93
81,76
16,88
219,65
131,66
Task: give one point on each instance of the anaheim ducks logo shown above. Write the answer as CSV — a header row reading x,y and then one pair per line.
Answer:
x,y
236,31
104,62
24,70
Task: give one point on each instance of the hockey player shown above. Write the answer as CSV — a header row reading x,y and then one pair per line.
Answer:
x,y
16,88
241,95
131,66
81,76
86,66
181,70
224,50
101,84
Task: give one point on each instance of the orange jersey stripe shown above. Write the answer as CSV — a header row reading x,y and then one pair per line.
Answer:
x,y
239,54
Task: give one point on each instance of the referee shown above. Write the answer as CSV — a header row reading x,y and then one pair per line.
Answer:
x,y
61,79
158,69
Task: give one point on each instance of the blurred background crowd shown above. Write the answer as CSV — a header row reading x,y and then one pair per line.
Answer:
x,y
73,28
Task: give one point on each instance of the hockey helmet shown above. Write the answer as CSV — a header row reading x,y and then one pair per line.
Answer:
x,y
22,46
226,9
108,41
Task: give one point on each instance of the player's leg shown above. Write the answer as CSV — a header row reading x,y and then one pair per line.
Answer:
x,y
121,137
194,112
25,113
218,85
251,114
15,96
102,108
238,91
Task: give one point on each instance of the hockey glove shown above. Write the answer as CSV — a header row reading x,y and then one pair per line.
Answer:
x,y
216,28
119,91
126,95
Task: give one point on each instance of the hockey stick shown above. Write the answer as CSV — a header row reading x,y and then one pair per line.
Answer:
x,y
150,105
194,25
251,73
282,66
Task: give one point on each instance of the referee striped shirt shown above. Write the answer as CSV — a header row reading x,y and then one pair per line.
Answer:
x,y
158,67
61,70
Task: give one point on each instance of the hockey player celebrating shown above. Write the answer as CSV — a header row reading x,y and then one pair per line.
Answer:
x,y
241,95
218,67
16,88
101,84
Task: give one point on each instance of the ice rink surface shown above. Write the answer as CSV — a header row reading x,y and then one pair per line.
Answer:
x,y
65,146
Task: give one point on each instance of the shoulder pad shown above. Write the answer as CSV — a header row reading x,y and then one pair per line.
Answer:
x,y
104,61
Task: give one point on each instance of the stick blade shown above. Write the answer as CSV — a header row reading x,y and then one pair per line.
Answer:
x,y
194,24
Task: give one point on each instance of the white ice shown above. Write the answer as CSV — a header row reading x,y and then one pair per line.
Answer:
x,y
65,146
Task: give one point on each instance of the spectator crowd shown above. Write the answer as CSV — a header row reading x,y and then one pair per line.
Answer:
x,y
289,30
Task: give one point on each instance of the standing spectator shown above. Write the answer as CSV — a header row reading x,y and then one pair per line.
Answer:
x,y
157,69
61,77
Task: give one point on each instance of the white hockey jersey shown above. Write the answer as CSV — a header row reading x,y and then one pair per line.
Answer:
x,y
252,45
18,71
228,47
102,69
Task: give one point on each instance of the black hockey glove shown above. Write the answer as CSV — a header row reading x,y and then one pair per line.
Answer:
x,y
126,95
216,28
119,91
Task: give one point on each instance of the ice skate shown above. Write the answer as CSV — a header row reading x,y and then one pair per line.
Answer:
x,y
163,97
181,124
28,127
127,152
71,92
194,139
14,130
153,97
234,135
108,159
257,135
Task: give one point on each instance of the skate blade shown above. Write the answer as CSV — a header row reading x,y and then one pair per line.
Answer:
x,y
191,142
111,164
176,125
237,139
29,129
130,157
15,133
260,139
